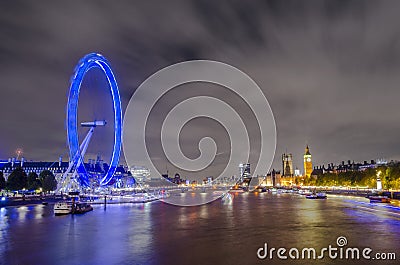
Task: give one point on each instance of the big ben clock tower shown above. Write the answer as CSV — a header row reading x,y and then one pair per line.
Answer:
x,y
307,162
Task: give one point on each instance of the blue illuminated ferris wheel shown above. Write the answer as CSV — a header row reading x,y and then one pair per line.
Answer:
x,y
76,151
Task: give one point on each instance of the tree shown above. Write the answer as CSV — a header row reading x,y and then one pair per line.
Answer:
x,y
17,179
2,181
48,180
33,182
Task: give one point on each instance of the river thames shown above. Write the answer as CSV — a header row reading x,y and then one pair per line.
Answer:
x,y
222,232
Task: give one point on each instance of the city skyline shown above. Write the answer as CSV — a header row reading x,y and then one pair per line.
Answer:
x,y
328,69
301,170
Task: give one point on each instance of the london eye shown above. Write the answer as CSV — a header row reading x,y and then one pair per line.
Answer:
x,y
76,175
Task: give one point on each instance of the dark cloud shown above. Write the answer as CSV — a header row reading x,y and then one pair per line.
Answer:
x,y
328,68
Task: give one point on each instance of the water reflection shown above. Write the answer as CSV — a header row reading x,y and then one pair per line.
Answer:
x,y
3,229
309,211
39,211
204,211
22,213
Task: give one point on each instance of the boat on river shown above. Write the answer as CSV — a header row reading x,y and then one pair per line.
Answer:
x,y
73,206
379,199
319,195
81,207
62,208
66,207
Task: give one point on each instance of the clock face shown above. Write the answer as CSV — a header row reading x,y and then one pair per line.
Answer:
x,y
308,159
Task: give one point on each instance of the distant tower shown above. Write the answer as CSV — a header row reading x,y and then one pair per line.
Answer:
x,y
287,165
307,162
244,171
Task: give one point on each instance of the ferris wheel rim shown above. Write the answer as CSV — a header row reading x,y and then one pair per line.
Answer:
x,y
88,62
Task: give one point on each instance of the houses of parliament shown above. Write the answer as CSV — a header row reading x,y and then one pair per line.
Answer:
x,y
290,176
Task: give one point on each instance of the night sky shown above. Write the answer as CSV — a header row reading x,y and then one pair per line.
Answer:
x,y
330,69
